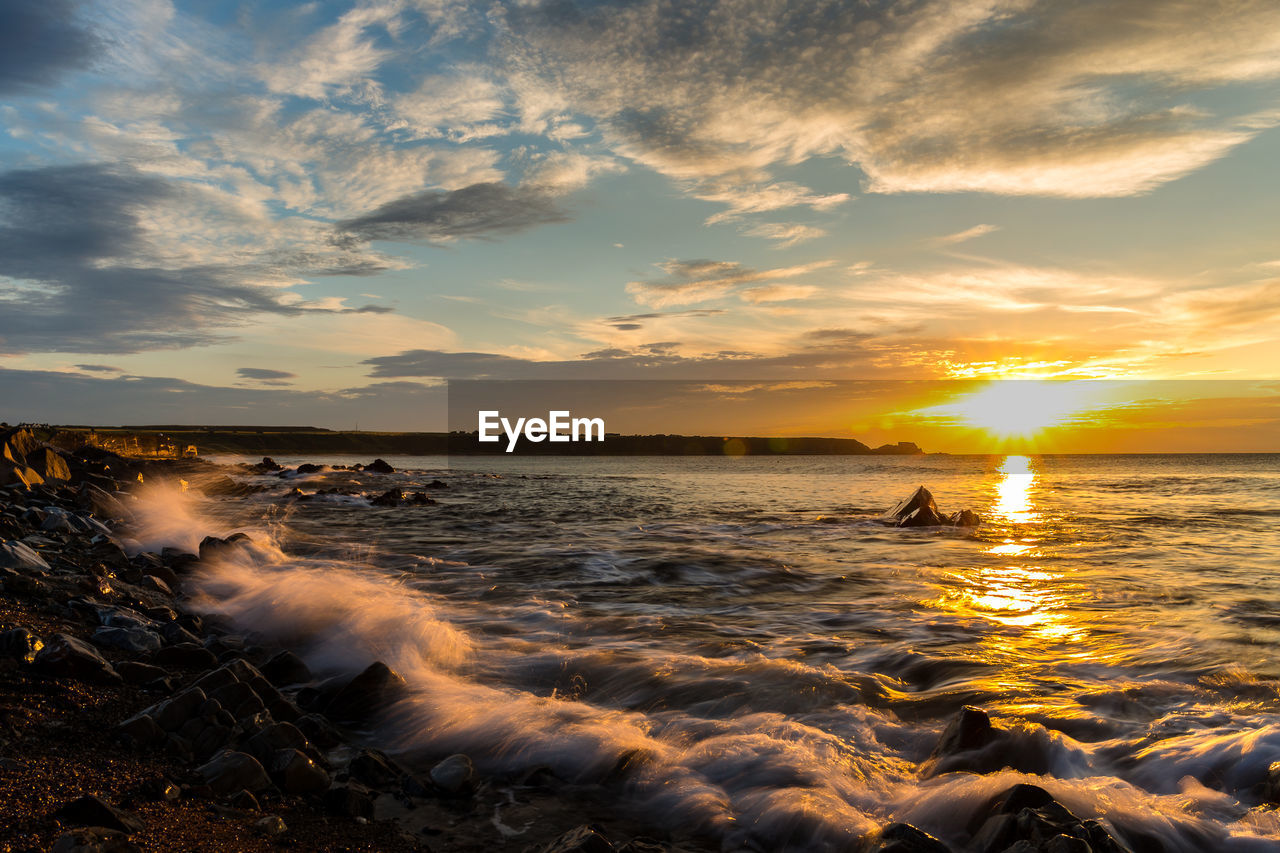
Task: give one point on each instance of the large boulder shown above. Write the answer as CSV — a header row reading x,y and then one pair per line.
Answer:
x,y
230,771
296,773
49,464
366,695
19,555
94,811
379,466
65,655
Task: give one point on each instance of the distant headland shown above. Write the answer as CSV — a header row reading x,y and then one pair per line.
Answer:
x,y
172,440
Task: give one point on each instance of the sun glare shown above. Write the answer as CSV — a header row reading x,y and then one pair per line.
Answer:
x,y
1022,408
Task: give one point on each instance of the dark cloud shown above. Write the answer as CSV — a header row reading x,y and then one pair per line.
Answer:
x,y
99,368
40,40
86,278
68,398
846,356
479,210
266,376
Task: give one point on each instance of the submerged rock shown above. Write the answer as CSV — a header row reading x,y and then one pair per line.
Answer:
x,y
454,775
286,668
366,695
1027,817
904,838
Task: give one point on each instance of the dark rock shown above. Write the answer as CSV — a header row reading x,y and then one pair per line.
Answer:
x,y
964,518
436,484
92,811
308,468
919,510
185,655
272,826
140,673
245,801
366,695
286,668
275,737
970,729
391,497
173,633
585,839
905,838
454,775
94,839
134,640
318,730
143,730
267,464
349,801
101,503
21,644
379,466
233,771
64,655
296,773
20,556
49,464
374,769
173,713
213,546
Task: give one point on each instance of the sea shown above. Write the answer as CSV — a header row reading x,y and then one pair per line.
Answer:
x,y
740,651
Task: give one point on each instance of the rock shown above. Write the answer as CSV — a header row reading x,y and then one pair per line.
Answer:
x,y
186,655
296,773
19,555
919,510
308,468
970,729
318,730
366,695
93,811
267,464
174,634
1027,817
49,464
21,644
272,826
905,838
66,656
349,801
454,775
94,839
231,771
20,441
379,466
151,583
101,503
134,640
213,546
286,668
143,730
275,737
374,769
436,484
587,838
391,497
964,518
173,713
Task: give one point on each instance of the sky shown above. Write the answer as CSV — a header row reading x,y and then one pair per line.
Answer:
x,y
316,213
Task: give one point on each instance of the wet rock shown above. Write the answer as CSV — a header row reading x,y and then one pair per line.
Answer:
x,y
101,503
296,773
134,640
349,801
308,468
391,497
173,633
185,655
94,839
94,811
18,555
436,484
246,801
21,644
173,713
267,465
970,729
213,546
904,838
366,695
142,730
231,771
1028,817
379,466
272,826
374,769
286,668
151,583
318,730
454,775
918,510
266,743
587,838
64,655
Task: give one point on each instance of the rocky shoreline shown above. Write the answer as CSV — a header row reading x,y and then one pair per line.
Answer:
x,y
128,722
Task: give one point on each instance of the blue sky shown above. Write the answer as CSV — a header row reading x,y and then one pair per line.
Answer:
x,y
265,212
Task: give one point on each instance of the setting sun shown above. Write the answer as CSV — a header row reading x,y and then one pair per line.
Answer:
x,y
1022,409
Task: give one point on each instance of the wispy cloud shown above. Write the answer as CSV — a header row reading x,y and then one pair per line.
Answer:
x,y
688,282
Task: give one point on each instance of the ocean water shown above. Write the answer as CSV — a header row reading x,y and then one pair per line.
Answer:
x,y
744,654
